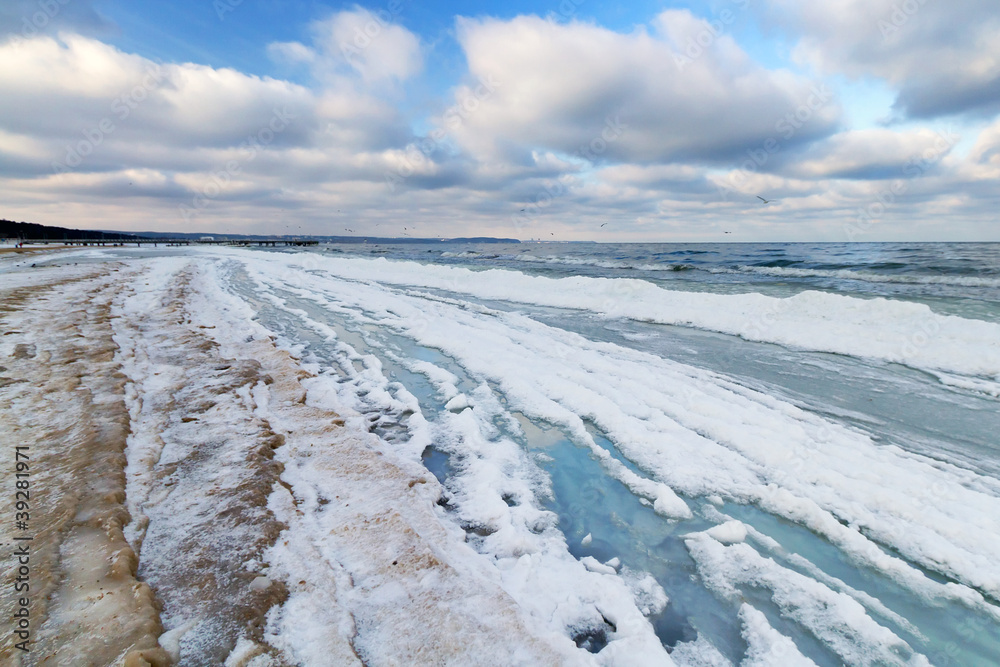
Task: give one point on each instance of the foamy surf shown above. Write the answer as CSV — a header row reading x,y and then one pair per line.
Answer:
x,y
888,330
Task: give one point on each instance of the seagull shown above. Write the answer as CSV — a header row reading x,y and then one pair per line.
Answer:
x,y
604,224
727,232
766,201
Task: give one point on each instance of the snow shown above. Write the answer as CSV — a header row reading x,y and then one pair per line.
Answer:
x,y
888,330
767,646
517,551
698,434
835,618
730,532
348,550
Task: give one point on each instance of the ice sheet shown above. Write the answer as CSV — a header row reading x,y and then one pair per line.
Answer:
x,y
696,433
889,330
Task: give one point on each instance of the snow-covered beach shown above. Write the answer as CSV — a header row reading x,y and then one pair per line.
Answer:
x,y
260,458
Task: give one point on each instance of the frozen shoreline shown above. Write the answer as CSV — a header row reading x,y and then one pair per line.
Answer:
x,y
357,565
278,412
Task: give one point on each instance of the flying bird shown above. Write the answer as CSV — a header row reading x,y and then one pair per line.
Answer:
x,y
766,201
604,224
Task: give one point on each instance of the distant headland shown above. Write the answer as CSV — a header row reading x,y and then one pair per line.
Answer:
x,y
28,231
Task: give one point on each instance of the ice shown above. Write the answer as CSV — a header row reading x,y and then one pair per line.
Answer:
x,y
767,646
730,532
699,434
890,330
808,539
836,619
493,493
692,433
699,653
595,565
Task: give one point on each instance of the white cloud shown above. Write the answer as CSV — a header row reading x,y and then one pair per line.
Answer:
x,y
370,43
581,124
108,126
871,154
941,57
563,87
85,92
291,52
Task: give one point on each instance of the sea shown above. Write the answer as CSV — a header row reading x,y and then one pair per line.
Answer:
x,y
956,278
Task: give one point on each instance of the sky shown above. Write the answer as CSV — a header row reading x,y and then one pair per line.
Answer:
x,y
571,120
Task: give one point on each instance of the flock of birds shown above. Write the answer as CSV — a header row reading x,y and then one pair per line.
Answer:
x,y
603,224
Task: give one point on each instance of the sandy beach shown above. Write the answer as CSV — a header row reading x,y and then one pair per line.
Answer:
x,y
103,361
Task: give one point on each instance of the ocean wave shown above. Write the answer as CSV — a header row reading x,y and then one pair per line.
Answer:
x,y
775,268
889,330
602,263
864,276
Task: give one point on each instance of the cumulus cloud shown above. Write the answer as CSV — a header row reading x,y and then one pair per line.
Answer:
x,y
941,57
108,125
568,87
871,154
359,41
85,91
667,131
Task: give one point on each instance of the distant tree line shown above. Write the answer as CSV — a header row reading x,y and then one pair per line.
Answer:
x,y
29,230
